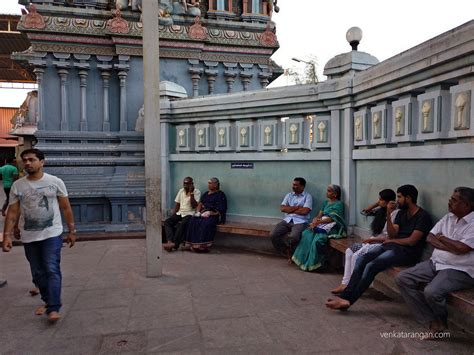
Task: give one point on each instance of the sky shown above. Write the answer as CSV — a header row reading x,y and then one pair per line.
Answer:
x,y
312,28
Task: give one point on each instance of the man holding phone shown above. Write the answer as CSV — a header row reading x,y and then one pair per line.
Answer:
x,y
186,202
404,246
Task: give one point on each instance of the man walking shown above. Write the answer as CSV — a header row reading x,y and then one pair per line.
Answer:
x,y
9,174
186,202
451,267
297,207
39,197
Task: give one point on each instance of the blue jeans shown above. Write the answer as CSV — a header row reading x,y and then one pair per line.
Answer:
x,y
44,258
369,265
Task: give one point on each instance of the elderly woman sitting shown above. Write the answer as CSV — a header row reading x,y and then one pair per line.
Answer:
x,y
211,211
329,223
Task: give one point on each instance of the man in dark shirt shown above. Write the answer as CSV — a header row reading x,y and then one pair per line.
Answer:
x,y
403,246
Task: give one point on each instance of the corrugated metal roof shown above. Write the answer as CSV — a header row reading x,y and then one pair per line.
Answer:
x,y
6,114
12,41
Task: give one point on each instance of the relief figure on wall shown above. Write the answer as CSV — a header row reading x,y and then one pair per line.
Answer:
x,y
426,113
461,105
399,113
191,7
243,136
181,136
268,132
376,121
140,122
28,111
165,11
358,128
322,132
293,130
221,137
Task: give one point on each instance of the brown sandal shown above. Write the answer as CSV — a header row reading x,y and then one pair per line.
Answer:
x,y
41,310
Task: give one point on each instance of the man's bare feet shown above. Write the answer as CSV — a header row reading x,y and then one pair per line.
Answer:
x,y
40,310
34,291
53,317
338,303
339,289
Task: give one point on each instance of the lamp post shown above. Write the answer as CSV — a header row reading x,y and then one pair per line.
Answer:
x,y
314,77
354,36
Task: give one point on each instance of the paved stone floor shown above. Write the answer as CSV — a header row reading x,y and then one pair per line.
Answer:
x,y
223,302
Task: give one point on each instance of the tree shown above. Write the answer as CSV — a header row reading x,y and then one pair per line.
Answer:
x,y
309,75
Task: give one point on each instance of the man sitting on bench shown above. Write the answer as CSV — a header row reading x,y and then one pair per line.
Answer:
x,y
176,226
297,207
404,246
450,268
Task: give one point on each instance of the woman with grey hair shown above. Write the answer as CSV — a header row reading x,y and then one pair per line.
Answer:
x,y
329,223
211,211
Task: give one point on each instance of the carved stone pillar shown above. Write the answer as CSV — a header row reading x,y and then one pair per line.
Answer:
x,y
195,77
211,79
105,97
63,74
83,67
62,67
83,84
123,99
105,68
230,79
39,72
246,77
122,68
264,79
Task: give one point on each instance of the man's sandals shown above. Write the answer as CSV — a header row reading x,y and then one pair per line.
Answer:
x,y
53,316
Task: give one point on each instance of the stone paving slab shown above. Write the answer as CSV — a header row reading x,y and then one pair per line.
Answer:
x,y
224,302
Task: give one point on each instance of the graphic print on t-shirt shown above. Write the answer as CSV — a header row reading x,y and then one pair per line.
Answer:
x,y
37,207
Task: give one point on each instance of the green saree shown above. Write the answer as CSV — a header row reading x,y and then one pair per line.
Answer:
x,y
310,253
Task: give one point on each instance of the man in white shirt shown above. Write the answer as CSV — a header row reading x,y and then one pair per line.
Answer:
x,y
186,202
450,268
297,207
39,198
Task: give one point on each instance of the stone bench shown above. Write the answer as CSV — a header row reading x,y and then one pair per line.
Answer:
x,y
460,300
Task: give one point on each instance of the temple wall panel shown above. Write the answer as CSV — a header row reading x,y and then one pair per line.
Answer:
x,y
407,120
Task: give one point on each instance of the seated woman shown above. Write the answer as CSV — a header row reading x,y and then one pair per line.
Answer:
x,y
329,223
379,234
211,211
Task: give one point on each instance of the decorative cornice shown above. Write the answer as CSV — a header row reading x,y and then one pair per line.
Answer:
x,y
64,48
71,27
33,20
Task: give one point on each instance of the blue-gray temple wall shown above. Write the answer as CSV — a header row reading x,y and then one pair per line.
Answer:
x,y
407,120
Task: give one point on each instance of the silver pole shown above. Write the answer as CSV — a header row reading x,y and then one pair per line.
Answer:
x,y
151,79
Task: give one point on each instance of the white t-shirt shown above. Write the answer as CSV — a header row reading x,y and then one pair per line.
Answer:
x,y
40,215
392,217
462,231
184,200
